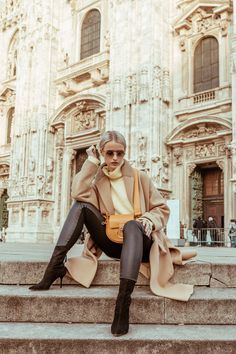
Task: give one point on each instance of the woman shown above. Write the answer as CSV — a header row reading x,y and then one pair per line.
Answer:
x,y
99,190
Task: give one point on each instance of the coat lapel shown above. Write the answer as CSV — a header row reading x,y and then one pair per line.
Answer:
x,y
104,190
129,186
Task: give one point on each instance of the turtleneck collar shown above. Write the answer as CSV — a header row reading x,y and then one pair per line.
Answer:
x,y
113,174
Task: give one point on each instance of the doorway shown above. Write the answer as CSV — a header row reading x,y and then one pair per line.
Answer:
x,y
3,210
213,194
81,156
207,193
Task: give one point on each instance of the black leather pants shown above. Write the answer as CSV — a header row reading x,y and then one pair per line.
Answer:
x,y
135,248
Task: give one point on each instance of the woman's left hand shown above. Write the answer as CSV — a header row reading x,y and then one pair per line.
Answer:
x,y
147,225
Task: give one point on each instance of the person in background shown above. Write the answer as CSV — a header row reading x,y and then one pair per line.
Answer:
x,y
197,225
211,224
232,232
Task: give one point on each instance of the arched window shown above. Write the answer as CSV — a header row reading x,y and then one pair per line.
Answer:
x,y
90,34
12,57
10,117
206,65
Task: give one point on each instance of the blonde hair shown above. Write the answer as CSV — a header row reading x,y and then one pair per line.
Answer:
x,y
112,135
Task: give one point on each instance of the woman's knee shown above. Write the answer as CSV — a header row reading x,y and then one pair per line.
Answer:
x,y
132,225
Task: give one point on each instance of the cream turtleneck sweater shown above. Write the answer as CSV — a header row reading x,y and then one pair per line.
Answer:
x,y
119,196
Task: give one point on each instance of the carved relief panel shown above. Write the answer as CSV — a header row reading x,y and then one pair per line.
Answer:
x,y
196,194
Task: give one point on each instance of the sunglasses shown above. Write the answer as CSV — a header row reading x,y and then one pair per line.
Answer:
x,y
111,153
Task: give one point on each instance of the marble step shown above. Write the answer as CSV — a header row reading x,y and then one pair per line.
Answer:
x,y
28,338
198,273
76,304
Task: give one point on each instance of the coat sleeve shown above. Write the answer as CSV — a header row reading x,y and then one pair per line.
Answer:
x,y
157,209
83,188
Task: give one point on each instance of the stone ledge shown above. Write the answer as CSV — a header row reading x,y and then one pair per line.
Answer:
x,y
78,304
142,339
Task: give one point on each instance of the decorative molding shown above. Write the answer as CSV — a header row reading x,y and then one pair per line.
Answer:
x,y
221,164
178,155
205,150
199,18
190,168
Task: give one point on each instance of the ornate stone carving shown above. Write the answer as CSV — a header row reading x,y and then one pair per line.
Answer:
x,y
182,43
190,168
4,170
143,89
84,120
196,189
117,94
142,146
178,155
107,40
203,20
205,150
156,169
165,170
128,90
222,150
1,192
68,88
189,153
60,136
49,176
40,184
9,13
221,164
166,86
156,86
198,131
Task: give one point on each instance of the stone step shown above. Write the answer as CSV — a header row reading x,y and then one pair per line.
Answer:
x,y
197,273
96,305
53,338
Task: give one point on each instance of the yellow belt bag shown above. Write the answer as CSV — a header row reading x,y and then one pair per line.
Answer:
x,y
115,223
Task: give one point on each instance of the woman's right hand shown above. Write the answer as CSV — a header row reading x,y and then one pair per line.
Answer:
x,y
92,151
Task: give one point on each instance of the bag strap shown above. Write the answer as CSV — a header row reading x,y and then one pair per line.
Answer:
x,y
137,210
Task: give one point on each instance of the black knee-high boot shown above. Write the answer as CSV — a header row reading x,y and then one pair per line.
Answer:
x,y
70,233
120,324
54,270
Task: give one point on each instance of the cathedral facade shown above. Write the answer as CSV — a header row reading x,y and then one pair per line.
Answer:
x,y
161,72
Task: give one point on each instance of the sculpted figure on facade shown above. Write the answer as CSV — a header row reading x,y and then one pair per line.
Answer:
x,y
40,184
182,43
178,155
165,170
166,86
107,41
190,168
205,150
60,136
156,81
128,91
143,88
142,146
117,94
156,169
85,120
50,164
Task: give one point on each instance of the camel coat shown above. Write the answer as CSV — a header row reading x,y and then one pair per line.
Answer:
x,y
93,186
